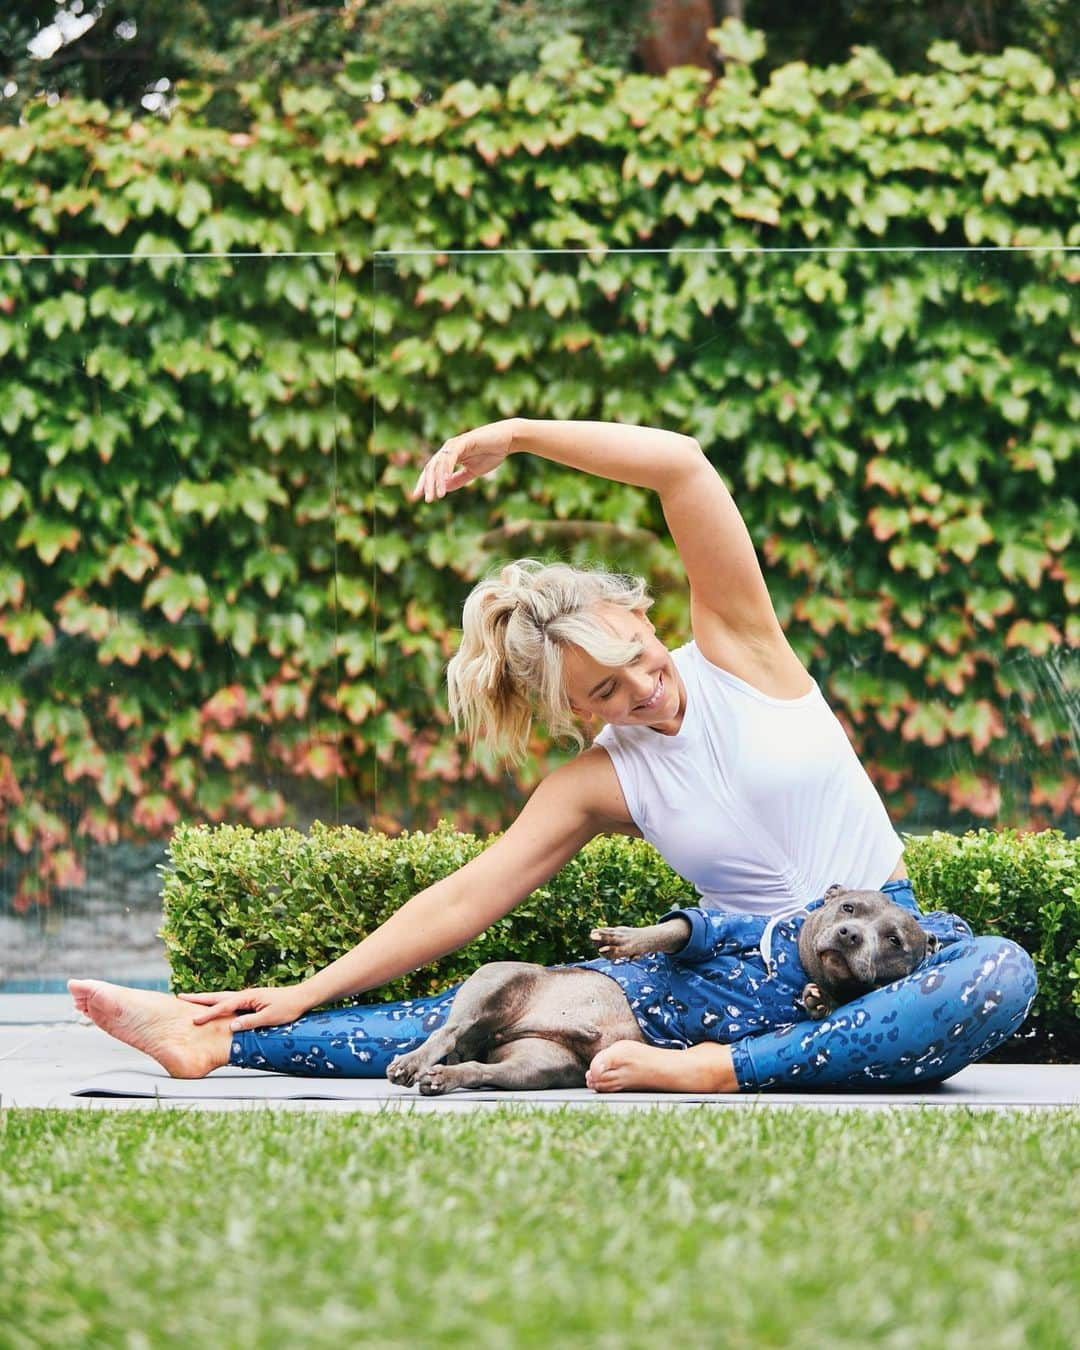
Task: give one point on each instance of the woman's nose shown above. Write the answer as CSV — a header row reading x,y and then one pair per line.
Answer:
x,y
641,686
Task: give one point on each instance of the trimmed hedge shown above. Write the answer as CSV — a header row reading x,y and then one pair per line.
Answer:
x,y
271,907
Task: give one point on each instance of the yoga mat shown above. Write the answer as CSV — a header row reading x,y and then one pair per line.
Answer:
x,y
254,1085
980,1085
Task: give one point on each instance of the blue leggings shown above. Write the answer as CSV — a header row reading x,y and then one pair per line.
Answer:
x,y
958,1006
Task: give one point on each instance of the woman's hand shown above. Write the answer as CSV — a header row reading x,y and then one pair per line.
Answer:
x,y
463,458
263,1007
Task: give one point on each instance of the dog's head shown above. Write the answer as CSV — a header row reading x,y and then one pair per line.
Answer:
x,y
858,941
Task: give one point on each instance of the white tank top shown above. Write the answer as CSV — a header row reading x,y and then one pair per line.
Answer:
x,y
760,802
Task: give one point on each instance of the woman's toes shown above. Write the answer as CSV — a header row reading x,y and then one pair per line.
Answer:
x,y
157,1024
80,991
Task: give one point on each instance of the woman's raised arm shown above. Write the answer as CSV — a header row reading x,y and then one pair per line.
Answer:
x,y
573,804
733,616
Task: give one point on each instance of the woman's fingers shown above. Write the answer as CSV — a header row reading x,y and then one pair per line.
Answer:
x,y
445,465
269,1007
437,473
222,1004
272,1008
224,1009
462,459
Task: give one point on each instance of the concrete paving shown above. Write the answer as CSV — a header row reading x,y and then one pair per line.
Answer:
x,y
49,1056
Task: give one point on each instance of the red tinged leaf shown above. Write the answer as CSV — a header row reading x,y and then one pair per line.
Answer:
x,y
263,809
980,721
29,894
33,826
84,760
888,780
287,701
318,760
119,775
155,813
977,793
226,707
232,748
99,825
1060,792
928,723
910,649
10,791
124,711
1037,638
134,558
176,593
885,521
49,538
125,643
64,869
22,629
80,616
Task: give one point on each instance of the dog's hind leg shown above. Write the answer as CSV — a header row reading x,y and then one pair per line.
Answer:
x,y
489,999
523,1065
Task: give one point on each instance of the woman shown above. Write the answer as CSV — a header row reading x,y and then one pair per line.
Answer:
x,y
723,754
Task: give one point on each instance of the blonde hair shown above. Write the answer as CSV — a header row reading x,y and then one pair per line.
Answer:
x,y
509,666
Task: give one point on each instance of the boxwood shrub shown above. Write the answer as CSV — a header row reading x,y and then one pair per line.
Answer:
x,y
246,907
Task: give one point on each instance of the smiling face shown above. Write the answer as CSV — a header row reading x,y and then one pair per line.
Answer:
x,y
646,692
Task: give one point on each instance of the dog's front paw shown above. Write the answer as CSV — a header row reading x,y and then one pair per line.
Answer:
x,y
617,942
403,1069
814,1001
435,1081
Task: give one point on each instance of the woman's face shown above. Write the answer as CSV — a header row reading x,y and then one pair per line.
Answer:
x,y
647,692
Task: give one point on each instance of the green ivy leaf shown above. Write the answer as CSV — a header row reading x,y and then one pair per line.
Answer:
x,y
48,538
177,592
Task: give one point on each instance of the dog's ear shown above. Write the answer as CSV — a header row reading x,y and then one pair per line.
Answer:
x,y
834,890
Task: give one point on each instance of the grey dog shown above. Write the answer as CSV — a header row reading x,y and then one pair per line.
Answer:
x,y
515,1025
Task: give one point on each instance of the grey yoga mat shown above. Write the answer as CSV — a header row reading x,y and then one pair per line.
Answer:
x,y
980,1085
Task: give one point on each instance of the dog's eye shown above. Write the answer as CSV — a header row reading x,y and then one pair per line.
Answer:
x,y
848,909
895,941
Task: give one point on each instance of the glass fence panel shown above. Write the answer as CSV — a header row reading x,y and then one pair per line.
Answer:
x,y
168,631
218,604
899,428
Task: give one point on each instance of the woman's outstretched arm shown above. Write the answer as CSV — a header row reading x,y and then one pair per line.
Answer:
x,y
733,616
573,804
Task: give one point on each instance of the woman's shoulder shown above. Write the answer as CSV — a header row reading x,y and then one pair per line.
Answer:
x,y
589,784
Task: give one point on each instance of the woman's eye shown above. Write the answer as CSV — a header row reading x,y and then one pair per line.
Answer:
x,y
606,693
848,909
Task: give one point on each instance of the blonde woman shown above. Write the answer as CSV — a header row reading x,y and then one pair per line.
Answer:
x,y
723,753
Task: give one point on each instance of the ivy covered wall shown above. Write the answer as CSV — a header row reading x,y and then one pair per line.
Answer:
x,y
215,598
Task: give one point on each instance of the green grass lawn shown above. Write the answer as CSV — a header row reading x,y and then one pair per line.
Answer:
x,y
517,1227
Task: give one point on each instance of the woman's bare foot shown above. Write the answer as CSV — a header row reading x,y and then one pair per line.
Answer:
x,y
157,1024
632,1066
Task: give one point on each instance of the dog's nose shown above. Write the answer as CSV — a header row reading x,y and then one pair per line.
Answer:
x,y
850,935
